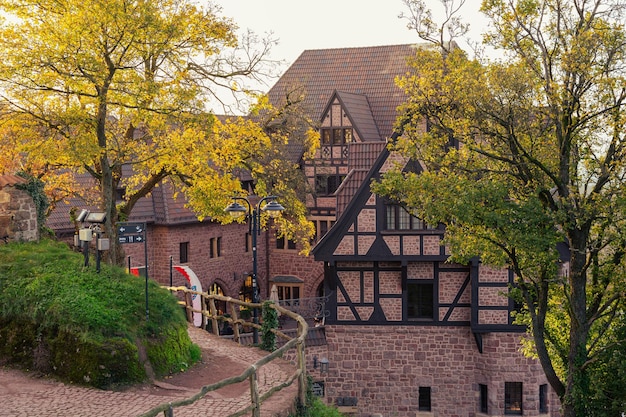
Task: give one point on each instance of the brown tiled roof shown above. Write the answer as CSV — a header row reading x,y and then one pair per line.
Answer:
x,y
11,180
361,157
360,114
366,71
159,207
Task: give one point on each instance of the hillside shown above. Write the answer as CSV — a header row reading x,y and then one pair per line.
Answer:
x,y
63,319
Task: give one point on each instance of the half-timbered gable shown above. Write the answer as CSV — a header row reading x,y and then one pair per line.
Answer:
x,y
384,266
435,334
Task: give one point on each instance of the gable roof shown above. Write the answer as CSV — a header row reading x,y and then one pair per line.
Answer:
x,y
365,71
326,247
358,110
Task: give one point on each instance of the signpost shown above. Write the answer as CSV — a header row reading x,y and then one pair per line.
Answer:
x,y
135,232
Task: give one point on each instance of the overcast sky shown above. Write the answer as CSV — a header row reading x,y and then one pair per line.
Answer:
x,y
318,24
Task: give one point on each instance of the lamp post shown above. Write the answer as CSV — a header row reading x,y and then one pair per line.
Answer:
x,y
236,210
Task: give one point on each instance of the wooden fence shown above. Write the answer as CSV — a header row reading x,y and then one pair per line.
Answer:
x,y
211,316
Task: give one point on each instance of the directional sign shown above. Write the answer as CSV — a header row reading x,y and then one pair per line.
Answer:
x,y
131,232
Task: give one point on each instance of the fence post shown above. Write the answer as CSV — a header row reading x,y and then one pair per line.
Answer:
x,y
302,381
254,394
188,307
213,311
233,313
203,308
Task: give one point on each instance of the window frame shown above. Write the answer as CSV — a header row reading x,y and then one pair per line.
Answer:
x,y
483,398
424,399
285,244
328,184
284,288
513,395
215,247
336,136
426,289
543,399
398,219
183,252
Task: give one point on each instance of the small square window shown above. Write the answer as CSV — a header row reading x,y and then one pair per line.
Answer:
x,y
423,400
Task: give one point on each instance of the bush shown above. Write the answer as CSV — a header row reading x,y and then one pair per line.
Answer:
x,y
82,326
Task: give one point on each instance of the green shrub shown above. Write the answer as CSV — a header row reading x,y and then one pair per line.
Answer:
x,y
85,327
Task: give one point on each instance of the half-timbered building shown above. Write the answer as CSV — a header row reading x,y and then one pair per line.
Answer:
x,y
406,332
410,334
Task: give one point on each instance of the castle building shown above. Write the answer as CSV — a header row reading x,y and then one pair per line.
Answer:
x,y
406,332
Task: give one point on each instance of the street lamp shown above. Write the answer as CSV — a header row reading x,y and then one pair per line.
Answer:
x,y
236,210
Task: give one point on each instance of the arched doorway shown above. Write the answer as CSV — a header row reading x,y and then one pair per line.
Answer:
x,y
220,306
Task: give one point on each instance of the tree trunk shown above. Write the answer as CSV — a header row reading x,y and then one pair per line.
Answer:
x,y
574,402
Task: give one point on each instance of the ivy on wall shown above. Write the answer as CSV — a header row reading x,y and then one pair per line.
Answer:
x,y
35,188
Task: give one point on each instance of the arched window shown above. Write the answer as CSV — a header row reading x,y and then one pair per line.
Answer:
x,y
215,289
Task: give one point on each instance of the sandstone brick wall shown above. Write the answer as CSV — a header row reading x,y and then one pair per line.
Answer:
x,y
384,366
230,269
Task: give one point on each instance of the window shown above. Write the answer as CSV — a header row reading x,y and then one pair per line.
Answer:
x,y
246,290
423,401
120,194
543,398
288,292
420,301
328,184
282,243
325,136
216,247
322,226
484,398
183,252
220,306
397,218
336,136
513,398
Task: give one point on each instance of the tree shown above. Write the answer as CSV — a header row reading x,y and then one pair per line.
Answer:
x,y
524,164
104,85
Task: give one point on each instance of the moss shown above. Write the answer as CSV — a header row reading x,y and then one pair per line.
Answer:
x,y
172,351
81,326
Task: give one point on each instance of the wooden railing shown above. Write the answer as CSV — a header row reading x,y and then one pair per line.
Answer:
x,y
211,316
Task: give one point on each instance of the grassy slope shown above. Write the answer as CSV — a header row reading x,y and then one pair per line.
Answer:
x,y
61,318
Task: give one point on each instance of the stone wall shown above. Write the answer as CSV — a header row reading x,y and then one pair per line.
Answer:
x,y
234,263
18,215
384,366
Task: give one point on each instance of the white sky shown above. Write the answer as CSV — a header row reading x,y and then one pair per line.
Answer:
x,y
319,24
